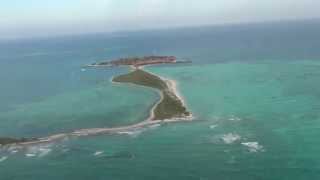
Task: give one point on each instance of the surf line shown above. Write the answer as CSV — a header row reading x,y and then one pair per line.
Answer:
x,y
158,114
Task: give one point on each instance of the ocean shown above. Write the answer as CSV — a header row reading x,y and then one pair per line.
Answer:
x,y
253,90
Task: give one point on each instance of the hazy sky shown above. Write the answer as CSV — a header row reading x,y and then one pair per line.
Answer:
x,y
42,17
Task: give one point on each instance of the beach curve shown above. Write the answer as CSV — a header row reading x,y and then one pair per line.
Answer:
x,y
170,90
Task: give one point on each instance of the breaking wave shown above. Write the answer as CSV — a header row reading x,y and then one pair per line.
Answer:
x,y
234,118
230,138
3,158
97,153
213,126
133,133
253,146
39,151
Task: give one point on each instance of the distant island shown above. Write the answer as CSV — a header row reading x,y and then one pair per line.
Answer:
x,y
170,108
140,61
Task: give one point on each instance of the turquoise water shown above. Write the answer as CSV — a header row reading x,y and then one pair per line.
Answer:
x,y
101,106
256,115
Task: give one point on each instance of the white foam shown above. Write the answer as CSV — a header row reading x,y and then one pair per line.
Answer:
x,y
30,155
97,153
39,151
126,132
154,126
13,151
43,152
3,158
253,146
230,138
234,118
213,126
133,133
83,69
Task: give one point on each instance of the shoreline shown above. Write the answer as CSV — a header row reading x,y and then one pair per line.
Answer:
x,y
171,104
172,86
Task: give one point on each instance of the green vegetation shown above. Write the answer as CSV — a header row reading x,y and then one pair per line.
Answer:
x,y
170,106
139,61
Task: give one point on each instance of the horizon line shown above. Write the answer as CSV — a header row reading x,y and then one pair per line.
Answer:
x,y
178,27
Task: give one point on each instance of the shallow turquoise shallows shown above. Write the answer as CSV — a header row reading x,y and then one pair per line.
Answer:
x,y
255,98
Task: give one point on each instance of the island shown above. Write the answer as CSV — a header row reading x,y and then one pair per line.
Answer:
x,y
139,61
171,107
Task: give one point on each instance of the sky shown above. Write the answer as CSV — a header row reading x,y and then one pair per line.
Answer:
x,y
20,18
